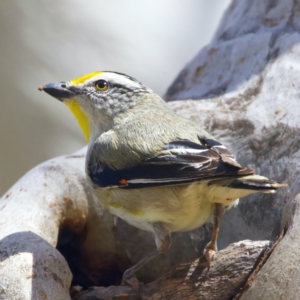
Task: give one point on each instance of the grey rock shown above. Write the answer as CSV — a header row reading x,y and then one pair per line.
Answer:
x,y
245,84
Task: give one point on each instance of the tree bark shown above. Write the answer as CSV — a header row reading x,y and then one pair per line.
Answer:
x,y
50,207
229,272
246,84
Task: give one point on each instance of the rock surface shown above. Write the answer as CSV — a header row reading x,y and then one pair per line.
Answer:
x,y
30,268
279,277
246,86
246,83
243,88
50,207
228,274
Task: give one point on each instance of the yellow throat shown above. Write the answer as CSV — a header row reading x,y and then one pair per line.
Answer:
x,y
81,118
76,109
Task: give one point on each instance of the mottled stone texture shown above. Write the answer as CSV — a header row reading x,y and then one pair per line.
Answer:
x,y
246,86
51,207
229,273
279,277
245,90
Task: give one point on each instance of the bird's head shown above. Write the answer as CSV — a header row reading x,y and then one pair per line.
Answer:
x,y
97,98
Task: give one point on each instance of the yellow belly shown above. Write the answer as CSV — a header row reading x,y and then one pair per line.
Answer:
x,y
181,207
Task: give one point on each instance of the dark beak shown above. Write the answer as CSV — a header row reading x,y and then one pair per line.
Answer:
x,y
57,90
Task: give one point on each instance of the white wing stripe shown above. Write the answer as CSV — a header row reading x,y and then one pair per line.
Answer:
x,y
188,151
220,146
143,180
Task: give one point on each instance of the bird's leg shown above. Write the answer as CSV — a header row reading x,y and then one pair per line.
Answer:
x,y
162,241
211,247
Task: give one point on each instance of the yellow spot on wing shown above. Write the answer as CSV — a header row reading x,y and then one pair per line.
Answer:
x,y
81,118
84,78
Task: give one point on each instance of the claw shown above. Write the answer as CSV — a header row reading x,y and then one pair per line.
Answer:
x,y
134,283
131,280
162,240
209,253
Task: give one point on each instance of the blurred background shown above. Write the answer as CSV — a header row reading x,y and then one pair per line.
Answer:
x,y
45,41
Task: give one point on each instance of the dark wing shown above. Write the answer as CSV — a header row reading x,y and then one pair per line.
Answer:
x,y
180,162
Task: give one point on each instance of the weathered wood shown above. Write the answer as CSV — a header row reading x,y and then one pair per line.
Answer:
x,y
245,84
279,277
51,206
247,81
229,271
31,268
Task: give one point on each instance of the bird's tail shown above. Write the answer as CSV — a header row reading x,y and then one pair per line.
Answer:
x,y
227,190
256,183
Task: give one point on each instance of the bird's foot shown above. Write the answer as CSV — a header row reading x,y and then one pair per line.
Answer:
x,y
130,279
209,252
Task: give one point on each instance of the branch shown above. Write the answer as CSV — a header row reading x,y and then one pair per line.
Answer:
x,y
51,206
229,272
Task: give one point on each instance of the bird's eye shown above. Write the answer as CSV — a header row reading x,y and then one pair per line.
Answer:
x,y
101,85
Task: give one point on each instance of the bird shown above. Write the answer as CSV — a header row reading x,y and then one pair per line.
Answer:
x,y
151,167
